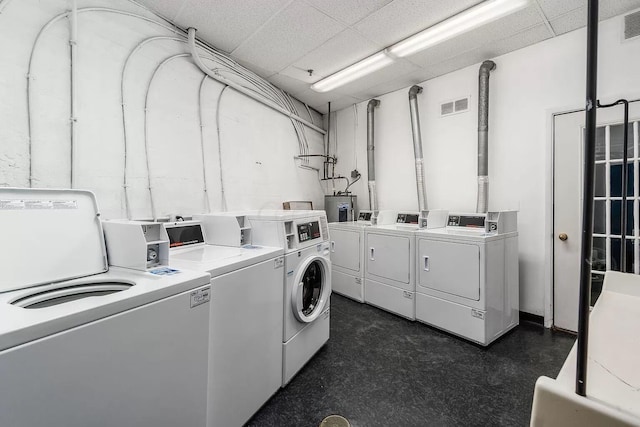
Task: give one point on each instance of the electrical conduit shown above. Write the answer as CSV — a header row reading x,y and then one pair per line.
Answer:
x,y
242,89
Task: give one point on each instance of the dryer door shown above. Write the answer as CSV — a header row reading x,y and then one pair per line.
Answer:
x,y
450,267
311,289
345,249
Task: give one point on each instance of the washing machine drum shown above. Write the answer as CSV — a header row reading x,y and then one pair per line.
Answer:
x,y
312,289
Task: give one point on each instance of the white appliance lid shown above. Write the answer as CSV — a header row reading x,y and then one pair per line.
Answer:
x,y
49,236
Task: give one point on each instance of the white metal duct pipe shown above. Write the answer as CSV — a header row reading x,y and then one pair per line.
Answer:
x,y
417,146
482,205
371,166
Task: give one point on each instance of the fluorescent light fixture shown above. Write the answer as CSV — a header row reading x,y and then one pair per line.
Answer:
x,y
353,72
468,20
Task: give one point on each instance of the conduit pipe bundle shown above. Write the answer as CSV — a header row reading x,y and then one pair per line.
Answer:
x,y
482,205
371,167
417,146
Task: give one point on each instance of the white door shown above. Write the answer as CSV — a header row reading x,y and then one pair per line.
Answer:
x,y
568,178
345,249
453,268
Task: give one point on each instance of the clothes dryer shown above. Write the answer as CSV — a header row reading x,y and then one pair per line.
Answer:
x,y
82,343
347,253
304,235
245,345
467,276
390,265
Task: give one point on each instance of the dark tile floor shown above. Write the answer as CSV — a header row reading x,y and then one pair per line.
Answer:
x,y
381,370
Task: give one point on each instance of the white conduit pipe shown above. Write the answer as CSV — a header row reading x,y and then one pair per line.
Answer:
x,y
223,197
125,181
146,126
48,25
204,167
73,57
242,89
4,4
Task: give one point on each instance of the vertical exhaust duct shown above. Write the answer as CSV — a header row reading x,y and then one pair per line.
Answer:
x,y
483,136
417,147
371,167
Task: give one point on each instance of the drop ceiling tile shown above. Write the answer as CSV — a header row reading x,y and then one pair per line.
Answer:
x,y
293,32
402,18
319,100
391,86
391,72
255,68
554,8
517,41
569,21
612,8
167,8
337,53
348,11
289,84
227,23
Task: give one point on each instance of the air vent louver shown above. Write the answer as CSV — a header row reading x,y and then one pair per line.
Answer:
x,y
453,107
632,25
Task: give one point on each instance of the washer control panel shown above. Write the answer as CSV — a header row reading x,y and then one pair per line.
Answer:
x,y
308,231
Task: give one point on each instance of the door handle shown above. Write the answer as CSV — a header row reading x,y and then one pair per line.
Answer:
x,y
563,236
371,253
426,263
333,246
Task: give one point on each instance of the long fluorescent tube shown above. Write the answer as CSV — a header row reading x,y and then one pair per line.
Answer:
x,y
353,72
470,19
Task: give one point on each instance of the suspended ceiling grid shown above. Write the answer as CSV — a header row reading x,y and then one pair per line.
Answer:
x,y
282,39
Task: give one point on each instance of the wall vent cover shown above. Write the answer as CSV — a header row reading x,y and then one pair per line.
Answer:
x,y
632,25
454,107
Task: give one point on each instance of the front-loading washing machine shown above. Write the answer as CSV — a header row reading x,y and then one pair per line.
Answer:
x,y
467,275
304,235
347,253
85,344
245,345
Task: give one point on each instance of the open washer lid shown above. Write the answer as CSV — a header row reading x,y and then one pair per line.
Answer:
x,y
49,236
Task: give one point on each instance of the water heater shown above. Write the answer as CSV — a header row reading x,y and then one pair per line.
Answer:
x,y
341,208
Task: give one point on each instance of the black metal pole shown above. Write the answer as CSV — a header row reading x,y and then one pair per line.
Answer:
x,y
625,175
587,200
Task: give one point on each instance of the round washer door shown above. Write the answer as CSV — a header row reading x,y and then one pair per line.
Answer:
x,y
311,289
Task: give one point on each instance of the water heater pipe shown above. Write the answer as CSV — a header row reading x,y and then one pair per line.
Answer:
x,y
417,146
371,166
483,136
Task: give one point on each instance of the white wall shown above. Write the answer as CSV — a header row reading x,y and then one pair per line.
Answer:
x,y
257,144
527,86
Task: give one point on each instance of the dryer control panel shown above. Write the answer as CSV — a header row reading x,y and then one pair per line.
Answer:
x,y
407,218
490,222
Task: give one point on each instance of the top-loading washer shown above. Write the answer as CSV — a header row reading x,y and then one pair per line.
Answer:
x,y
467,275
304,235
390,262
84,344
245,346
347,252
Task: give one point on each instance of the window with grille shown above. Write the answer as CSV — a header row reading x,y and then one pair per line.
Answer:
x,y
607,231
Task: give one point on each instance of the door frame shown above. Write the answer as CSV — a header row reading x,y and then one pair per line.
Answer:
x,y
551,114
